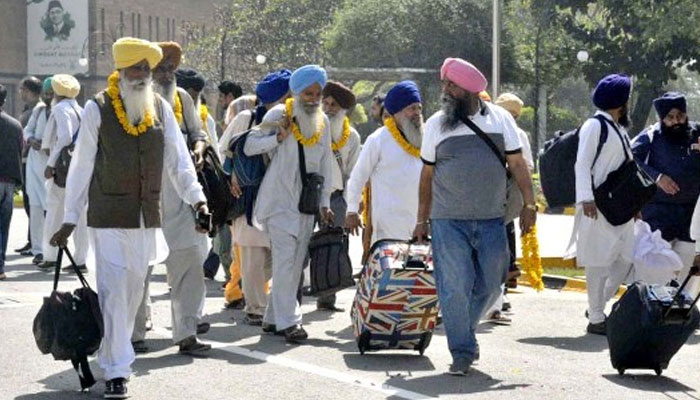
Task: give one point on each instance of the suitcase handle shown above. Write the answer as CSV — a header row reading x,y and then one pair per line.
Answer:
x,y
413,264
694,271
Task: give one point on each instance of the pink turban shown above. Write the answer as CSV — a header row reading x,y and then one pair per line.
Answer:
x,y
463,74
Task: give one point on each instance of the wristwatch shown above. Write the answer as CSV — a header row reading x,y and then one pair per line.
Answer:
x,y
532,207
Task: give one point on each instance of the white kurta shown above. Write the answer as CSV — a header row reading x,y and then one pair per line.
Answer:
x,y
395,176
66,114
348,158
36,161
123,255
599,244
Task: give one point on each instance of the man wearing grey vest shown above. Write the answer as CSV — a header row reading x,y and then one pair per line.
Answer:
x,y
129,140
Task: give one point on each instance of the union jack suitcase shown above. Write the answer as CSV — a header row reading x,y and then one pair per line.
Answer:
x,y
396,304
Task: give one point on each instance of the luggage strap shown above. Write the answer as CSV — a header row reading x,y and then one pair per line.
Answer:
x,y
82,367
694,271
57,272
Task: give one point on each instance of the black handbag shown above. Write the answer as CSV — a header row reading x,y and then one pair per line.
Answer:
x,y
216,185
311,187
63,161
331,269
625,191
69,325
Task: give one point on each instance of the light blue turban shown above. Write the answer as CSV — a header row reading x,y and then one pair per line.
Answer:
x,y
306,76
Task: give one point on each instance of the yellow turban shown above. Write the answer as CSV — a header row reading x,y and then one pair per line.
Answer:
x,y
131,51
510,102
65,85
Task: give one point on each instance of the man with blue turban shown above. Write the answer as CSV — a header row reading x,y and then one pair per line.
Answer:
x,y
287,133
605,250
668,152
390,160
252,244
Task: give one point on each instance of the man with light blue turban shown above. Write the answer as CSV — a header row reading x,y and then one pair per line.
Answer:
x,y
288,132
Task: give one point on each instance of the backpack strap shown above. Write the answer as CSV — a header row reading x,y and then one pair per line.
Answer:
x,y
603,136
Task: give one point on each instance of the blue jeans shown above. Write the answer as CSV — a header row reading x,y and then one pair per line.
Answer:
x,y
471,261
6,193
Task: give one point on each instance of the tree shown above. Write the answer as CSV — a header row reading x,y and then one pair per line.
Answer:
x,y
647,39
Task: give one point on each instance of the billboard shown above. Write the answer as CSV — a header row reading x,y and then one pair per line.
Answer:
x,y
57,33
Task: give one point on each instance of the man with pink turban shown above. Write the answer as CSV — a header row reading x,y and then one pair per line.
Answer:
x,y
464,215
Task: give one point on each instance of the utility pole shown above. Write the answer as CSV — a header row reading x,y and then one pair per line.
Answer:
x,y
496,50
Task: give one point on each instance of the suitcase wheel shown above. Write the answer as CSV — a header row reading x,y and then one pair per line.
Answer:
x,y
424,342
658,371
621,371
363,342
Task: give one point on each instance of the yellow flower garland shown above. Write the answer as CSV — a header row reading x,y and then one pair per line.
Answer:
x,y
177,108
344,139
307,142
532,264
129,128
203,114
412,150
365,201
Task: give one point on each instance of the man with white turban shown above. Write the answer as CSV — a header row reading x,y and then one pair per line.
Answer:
x,y
288,131
139,144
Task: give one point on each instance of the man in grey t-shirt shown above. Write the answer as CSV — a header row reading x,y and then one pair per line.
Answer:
x,y
463,192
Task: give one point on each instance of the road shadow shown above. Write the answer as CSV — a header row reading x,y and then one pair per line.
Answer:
x,y
584,344
649,382
391,363
442,384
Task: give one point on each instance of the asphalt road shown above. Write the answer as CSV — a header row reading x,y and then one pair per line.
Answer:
x,y
545,353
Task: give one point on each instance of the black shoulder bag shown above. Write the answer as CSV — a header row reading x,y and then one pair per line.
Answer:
x,y
625,191
311,187
64,157
514,198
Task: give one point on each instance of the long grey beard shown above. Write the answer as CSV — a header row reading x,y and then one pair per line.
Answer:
x,y
307,117
412,130
456,110
166,91
137,97
337,122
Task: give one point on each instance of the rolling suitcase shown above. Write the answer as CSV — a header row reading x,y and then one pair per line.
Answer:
x,y
396,303
649,324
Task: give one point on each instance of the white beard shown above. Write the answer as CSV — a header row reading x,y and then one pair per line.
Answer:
x,y
167,92
308,122
137,97
336,122
412,132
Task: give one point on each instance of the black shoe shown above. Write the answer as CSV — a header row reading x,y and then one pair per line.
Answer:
x,y
47,265
253,319
27,247
38,259
139,347
271,328
69,269
295,334
236,304
203,327
329,307
116,389
26,253
306,291
506,306
597,329
193,347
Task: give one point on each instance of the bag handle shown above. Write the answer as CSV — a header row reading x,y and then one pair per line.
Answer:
x,y
413,242
694,271
302,163
59,260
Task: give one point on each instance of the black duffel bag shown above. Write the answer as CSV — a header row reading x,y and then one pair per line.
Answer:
x,y
69,325
331,270
216,185
625,191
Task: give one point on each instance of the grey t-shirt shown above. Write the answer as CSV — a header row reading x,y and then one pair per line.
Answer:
x,y
469,182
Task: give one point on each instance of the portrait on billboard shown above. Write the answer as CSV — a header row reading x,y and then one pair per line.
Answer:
x,y
57,22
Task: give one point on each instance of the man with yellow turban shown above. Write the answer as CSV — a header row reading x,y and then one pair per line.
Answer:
x,y
139,148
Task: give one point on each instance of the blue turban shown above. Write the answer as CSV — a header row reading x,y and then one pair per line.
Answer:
x,y
46,85
669,101
613,91
400,96
273,86
307,76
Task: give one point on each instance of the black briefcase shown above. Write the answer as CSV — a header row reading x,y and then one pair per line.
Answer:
x,y
331,270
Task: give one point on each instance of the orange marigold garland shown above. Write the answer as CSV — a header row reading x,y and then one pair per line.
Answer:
x,y
343,139
129,128
306,142
390,124
532,264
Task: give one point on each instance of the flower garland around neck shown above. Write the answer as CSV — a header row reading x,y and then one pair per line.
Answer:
x,y
343,139
307,142
532,264
412,150
203,114
129,128
177,108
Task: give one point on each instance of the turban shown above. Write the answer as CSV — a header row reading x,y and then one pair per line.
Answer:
x,y
171,52
306,76
190,79
669,101
65,85
613,91
273,87
341,94
510,102
46,86
402,95
131,51
463,74
485,96
55,4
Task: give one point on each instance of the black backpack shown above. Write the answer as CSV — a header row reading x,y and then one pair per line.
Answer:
x,y
69,325
216,185
557,163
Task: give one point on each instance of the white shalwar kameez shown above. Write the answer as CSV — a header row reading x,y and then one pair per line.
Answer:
x,y
277,210
395,176
122,256
606,251
35,181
